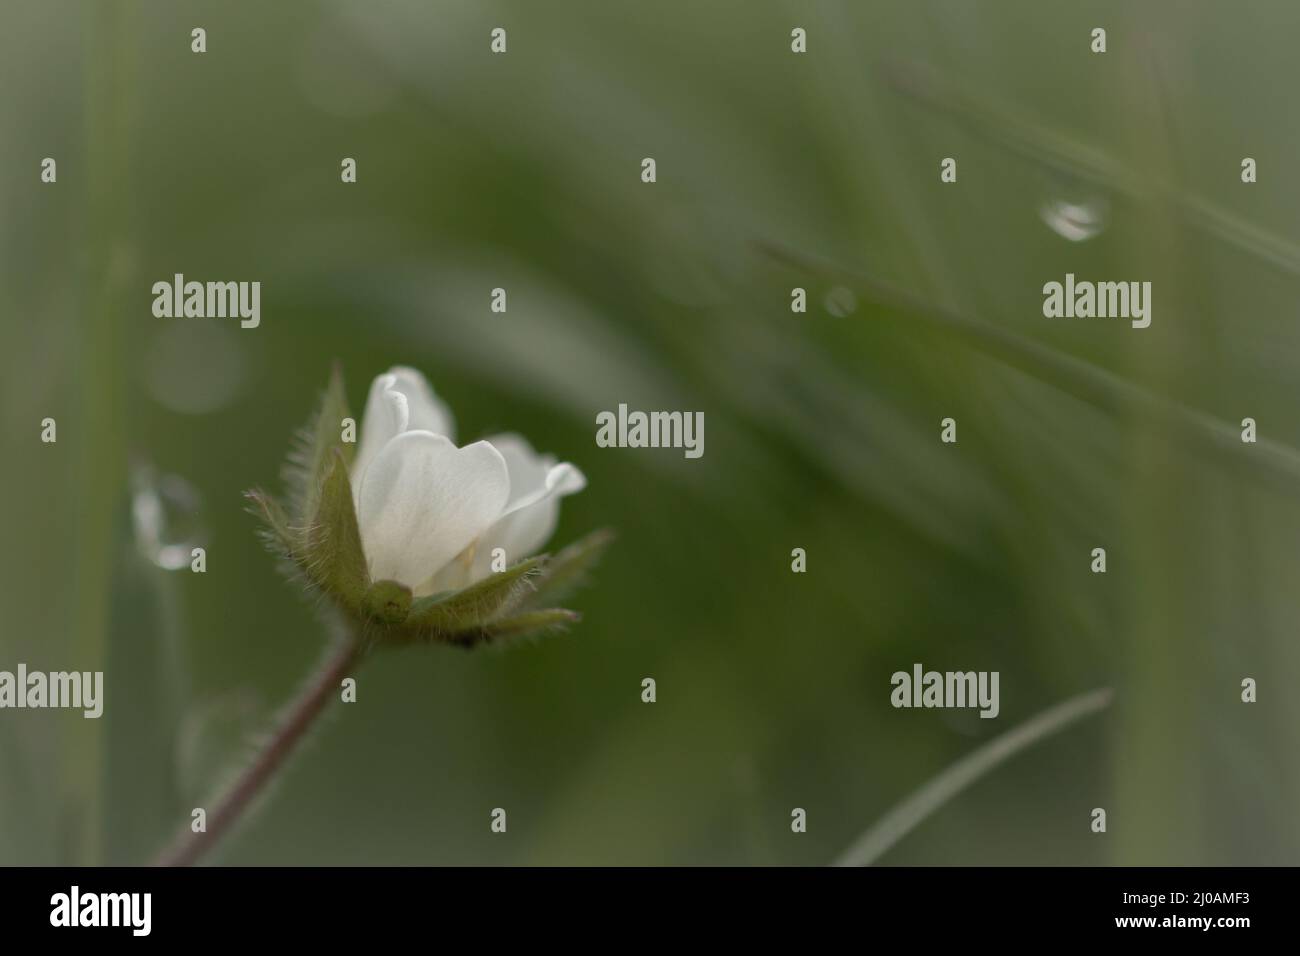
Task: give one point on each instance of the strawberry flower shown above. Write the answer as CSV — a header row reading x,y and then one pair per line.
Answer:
x,y
413,535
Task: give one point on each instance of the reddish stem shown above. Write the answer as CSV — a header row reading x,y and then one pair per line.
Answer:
x,y
189,846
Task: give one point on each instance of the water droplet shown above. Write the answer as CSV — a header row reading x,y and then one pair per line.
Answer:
x,y
1075,216
166,513
840,302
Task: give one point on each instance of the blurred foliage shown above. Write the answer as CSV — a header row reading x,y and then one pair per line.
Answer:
x,y
775,170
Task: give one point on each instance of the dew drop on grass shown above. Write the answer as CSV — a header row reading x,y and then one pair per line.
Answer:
x,y
167,518
1076,218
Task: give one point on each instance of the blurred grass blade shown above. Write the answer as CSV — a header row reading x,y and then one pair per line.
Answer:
x,y
1059,152
903,818
1093,384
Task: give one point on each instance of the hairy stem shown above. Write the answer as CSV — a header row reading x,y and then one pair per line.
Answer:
x,y
188,846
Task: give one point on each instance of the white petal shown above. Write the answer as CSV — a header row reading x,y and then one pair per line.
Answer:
x,y
428,412
454,576
400,400
530,517
422,501
527,468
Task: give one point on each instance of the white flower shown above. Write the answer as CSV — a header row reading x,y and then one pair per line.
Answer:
x,y
430,514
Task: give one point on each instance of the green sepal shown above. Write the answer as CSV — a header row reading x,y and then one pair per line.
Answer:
x,y
528,624
332,554
278,534
314,446
499,593
567,571
387,602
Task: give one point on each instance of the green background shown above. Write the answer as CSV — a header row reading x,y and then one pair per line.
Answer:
x,y
775,170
